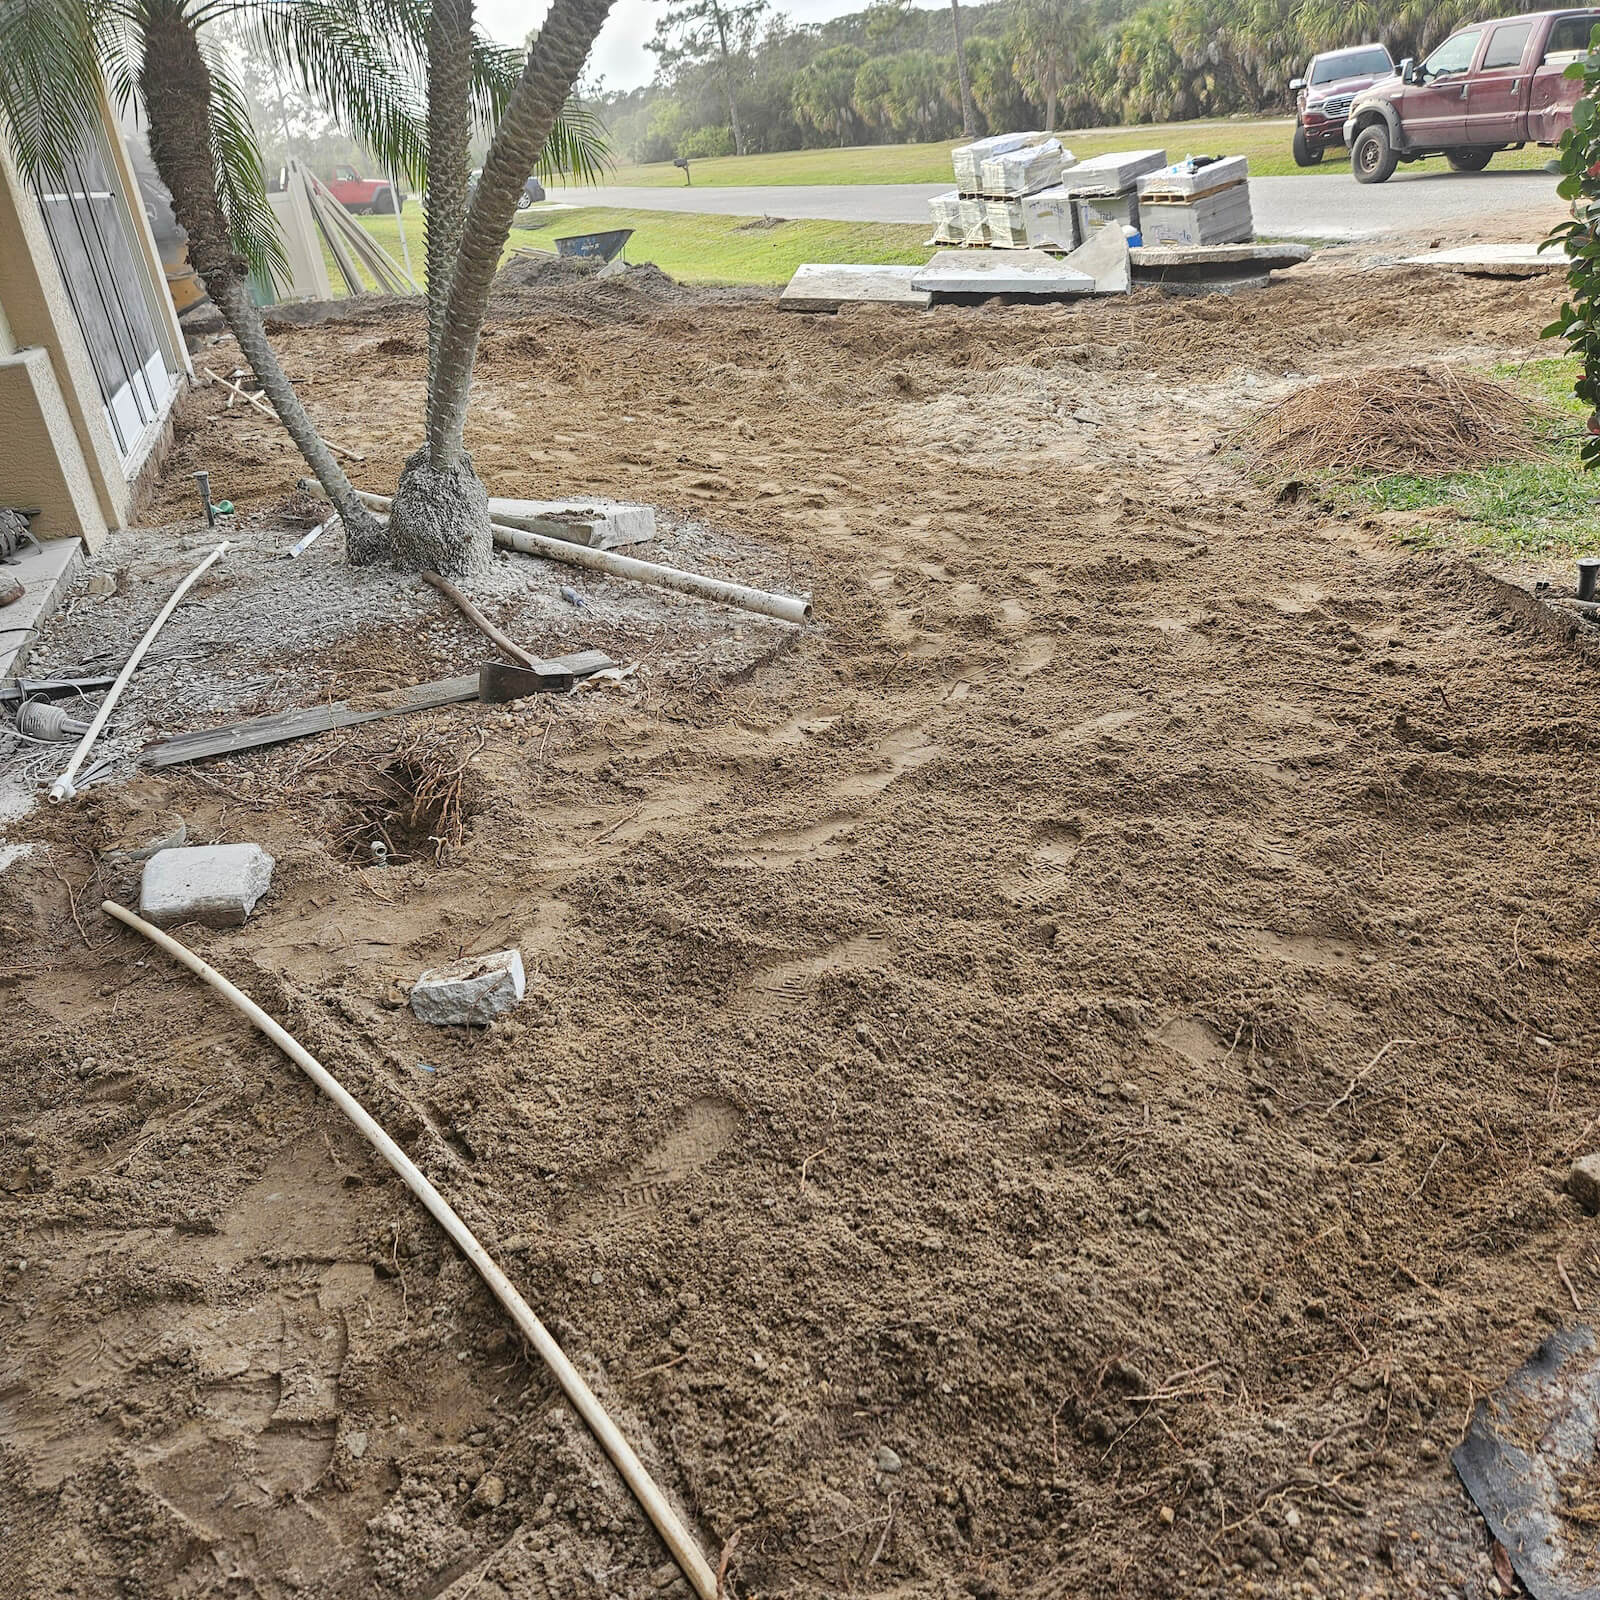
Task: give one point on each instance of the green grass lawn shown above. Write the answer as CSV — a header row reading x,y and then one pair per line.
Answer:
x,y
1265,140
691,247
1545,507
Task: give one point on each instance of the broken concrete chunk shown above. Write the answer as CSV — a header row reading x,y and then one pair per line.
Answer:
x,y
474,991
1583,1183
601,524
217,885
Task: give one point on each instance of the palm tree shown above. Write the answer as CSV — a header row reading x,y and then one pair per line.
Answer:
x,y
363,59
439,520
1045,35
58,58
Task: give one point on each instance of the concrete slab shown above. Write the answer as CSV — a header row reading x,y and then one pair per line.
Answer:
x,y
1493,260
1029,272
817,286
46,576
600,524
1263,257
1103,256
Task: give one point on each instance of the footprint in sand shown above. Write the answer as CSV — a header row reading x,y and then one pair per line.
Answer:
x,y
788,985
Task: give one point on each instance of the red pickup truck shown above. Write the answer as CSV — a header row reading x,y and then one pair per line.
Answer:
x,y
1493,86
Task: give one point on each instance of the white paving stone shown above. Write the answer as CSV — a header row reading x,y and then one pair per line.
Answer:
x,y
473,991
216,885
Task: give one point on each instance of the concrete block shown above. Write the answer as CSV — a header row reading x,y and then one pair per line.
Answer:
x,y
1494,260
816,286
1007,229
1111,174
945,212
600,524
1220,258
1113,212
1103,270
474,991
217,885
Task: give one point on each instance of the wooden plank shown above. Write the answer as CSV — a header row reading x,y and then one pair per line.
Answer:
x,y
280,726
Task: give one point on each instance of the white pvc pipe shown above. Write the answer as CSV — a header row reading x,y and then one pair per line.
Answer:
x,y
676,1537
62,788
785,607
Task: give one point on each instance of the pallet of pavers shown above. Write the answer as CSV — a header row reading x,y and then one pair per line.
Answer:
x,y
1104,189
1199,201
968,159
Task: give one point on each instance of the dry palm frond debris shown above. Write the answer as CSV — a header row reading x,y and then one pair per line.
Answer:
x,y
1396,419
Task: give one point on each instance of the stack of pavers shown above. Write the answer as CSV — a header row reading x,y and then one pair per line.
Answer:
x,y
992,178
1104,192
1197,201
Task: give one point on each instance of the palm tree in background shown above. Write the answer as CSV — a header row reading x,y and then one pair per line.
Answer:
x,y
369,63
1046,35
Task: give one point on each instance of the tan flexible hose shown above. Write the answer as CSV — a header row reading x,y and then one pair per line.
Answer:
x,y
63,788
675,1536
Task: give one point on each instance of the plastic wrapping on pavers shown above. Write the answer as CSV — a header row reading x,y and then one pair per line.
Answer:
x,y
968,159
1018,172
1194,176
974,221
1050,220
1091,213
1111,174
1223,217
1007,230
944,210
1528,1461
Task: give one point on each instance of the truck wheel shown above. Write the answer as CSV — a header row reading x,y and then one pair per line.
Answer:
x,y
1469,159
1304,155
1372,157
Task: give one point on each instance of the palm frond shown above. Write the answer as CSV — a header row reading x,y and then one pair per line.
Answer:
x,y
50,86
362,60
241,184
577,148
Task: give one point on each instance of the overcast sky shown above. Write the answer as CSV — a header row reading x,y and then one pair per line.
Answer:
x,y
619,54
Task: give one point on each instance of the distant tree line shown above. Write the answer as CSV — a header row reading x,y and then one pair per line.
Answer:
x,y
733,74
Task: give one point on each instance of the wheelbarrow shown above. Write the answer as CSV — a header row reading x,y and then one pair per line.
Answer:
x,y
602,247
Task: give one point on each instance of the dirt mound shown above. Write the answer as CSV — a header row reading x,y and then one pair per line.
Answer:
x,y
1396,419
540,271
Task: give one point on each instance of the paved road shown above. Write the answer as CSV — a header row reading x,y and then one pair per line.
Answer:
x,y
1329,206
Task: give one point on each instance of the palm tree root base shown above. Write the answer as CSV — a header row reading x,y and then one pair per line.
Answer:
x,y
439,520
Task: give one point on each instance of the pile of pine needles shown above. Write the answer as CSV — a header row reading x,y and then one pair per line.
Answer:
x,y
1416,419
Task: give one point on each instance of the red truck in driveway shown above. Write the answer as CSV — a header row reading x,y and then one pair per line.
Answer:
x,y
1493,86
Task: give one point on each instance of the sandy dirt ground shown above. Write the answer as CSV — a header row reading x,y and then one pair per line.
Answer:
x,y
1054,1081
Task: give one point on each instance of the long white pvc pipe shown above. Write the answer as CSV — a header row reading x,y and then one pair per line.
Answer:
x,y
62,788
785,607
676,1537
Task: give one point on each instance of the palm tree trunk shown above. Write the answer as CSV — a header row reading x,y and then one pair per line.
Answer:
x,y
449,150
969,115
176,85
439,519
554,62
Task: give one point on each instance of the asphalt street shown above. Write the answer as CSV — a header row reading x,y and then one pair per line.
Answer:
x,y
1325,205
